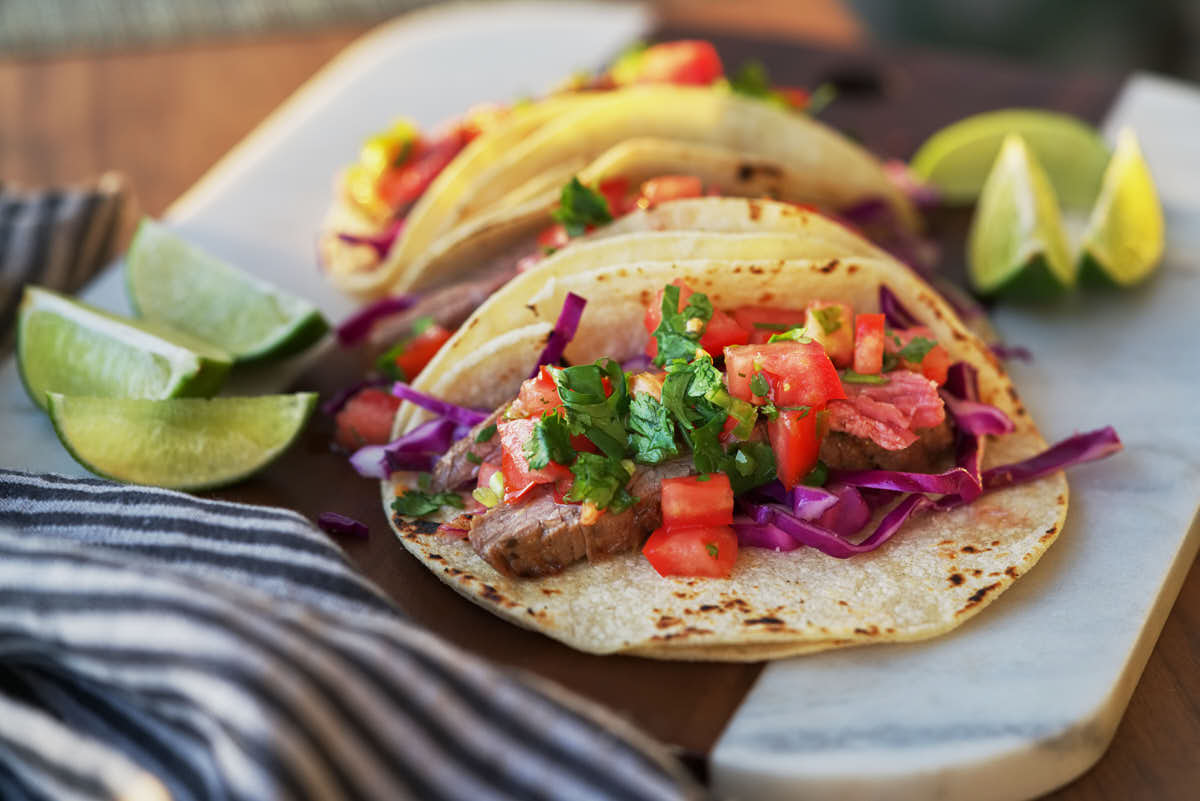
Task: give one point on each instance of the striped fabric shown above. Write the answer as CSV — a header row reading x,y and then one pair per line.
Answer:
x,y
154,645
57,238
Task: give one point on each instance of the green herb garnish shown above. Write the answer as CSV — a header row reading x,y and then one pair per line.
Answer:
x,y
712,549
851,377
589,411
830,318
418,504
759,385
550,442
916,350
651,430
486,433
679,331
792,335
579,207
601,481
772,326
817,476
474,457
752,80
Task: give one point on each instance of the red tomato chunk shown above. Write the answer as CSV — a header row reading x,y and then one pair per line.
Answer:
x,y
697,551
796,373
868,344
519,477
538,395
686,62
366,419
794,440
720,332
697,501
421,349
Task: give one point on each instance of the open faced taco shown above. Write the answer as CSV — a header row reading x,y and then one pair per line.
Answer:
x,y
416,212
671,483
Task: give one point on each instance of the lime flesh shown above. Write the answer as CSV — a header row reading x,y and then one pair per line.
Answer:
x,y
1017,245
69,347
1124,238
181,443
958,158
173,281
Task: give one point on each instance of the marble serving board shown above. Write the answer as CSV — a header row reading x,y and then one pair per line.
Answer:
x,y
1018,701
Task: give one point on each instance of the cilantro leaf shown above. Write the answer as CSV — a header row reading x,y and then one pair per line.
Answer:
x,y
689,388
579,206
916,349
651,430
759,385
418,504
712,549
589,411
890,362
601,481
817,476
751,80
749,465
851,377
829,317
772,326
678,337
550,442
486,433
792,335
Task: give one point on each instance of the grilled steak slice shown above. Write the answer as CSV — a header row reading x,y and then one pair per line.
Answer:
x,y
539,537
843,451
454,468
449,306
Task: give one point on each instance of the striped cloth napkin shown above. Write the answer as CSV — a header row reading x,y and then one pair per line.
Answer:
x,y
58,238
156,645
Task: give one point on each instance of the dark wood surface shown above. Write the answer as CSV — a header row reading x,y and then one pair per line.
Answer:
x,y
164,117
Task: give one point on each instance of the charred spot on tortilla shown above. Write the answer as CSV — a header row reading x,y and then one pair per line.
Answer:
x,y
956,579
870,631
829,266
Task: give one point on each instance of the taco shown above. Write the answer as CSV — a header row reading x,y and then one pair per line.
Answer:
x,y
415,213
867,508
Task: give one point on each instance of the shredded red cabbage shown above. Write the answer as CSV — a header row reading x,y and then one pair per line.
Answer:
x,y
636,364
380,242
809,503
459,414
1085,447
419,449
334,523
886,230
955,481
354,329
564,331
894,312
335,404
786,532
849,514
975,417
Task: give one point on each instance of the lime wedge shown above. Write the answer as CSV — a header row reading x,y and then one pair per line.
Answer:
x,y
957,158
190,290
1123,241
182,443
1017,245
67,346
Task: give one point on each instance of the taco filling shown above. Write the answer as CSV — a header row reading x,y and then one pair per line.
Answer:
x,y
736,422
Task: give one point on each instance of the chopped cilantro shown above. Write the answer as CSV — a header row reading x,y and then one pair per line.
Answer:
x,y
474,458
792,335
820,97
421,325
768,410
804,410
589,412
817,476
772,326
752,80
830,318
890,361
759,385
851,377
704,477
712,549
386,361
424,481
601,481
486,433
749,465
550,442
579,207
676,338
418,504
916,349
651,430
687,389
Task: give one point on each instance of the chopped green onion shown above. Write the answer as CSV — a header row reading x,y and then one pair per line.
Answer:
x,y
851,377
485,496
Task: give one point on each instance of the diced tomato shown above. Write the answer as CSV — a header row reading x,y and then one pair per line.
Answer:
x,y
797,374
697,501
539,395
421,349
519,477
763,321
720,332
838,340
794,96
616,192
868,344
698,551
936,363
553,238
403,185
669,187
794,440
686,62
366,419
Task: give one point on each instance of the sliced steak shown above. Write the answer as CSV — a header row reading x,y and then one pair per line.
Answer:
x,y
539,537
456,468
449,306
926,454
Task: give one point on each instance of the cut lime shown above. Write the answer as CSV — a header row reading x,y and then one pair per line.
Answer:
x,y
1123,241
1017,245
173,281
958,158
182,443
69,347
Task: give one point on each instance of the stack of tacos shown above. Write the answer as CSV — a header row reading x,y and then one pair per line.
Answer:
x,y
715,423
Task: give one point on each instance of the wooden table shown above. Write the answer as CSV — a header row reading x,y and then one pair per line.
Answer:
x,y
164,117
